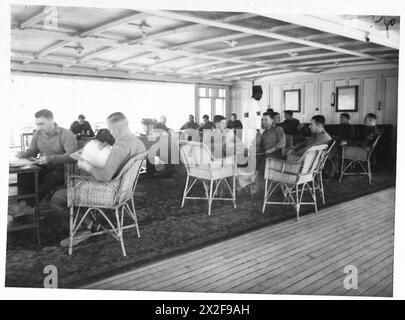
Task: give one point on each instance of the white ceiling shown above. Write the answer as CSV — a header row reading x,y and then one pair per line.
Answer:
x,y
193,46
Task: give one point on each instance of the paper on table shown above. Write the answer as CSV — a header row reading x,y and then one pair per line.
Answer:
x,y
20,162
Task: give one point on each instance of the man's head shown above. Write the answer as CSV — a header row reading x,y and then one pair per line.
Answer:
x,y
257,92
267,120
370,120
344,118
44,121
163,119
234,117
317,123
276,117
206,118
190,118
81,118
219,122
270,110
118,125
288,114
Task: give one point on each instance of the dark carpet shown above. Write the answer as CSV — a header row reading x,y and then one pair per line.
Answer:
x,y
166,230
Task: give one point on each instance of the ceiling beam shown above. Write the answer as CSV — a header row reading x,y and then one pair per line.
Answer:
x,y
52,48
111,24
236,36
272,35
40,16
327,24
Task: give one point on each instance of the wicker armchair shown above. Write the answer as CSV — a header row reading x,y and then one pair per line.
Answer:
x,y
318,180
84,193
201,165
352,155
289,176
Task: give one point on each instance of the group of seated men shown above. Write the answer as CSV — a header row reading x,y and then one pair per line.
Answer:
x,y
53,145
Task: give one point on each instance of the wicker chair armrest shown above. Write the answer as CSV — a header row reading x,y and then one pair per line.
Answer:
x,y
284,165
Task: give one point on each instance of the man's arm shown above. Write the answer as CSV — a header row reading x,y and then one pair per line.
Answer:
x,y
281,140
32,150
69,145
117,157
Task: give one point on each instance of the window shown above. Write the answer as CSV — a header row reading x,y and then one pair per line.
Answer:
x,y
211,100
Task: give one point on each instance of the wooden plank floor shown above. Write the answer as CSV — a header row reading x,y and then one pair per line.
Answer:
x,y
308,257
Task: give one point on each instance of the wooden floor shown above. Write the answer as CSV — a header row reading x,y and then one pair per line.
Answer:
x,y
308,257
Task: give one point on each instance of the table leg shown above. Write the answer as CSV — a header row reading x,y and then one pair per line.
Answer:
x,y
37,208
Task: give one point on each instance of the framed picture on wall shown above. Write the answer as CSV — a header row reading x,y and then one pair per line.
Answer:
x,y
347,99
292,100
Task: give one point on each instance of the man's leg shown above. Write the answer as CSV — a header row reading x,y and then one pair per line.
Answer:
x,y
50,178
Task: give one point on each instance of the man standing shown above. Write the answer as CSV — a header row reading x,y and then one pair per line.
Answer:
x,y
252,120
318,137
53,144
191,124
81,127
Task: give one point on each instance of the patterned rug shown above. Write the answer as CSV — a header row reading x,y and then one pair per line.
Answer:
x,y
166,230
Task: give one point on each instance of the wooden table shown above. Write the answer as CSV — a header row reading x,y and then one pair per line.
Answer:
x,y
29,169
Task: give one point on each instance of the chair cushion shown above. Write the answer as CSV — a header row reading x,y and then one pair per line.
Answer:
x,y
93,193
356,153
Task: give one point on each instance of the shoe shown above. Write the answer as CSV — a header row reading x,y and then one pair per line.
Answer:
x,y
79,237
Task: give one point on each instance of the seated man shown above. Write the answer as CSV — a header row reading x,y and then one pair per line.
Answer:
x,y
234,123
222,141
81,127
269,143
367,135
272,140
54,145
318,137
126,145
206,124
345,132
290,124
162,124
190,124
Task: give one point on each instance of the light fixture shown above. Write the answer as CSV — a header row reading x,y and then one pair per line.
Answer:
x,y
230,43
79,49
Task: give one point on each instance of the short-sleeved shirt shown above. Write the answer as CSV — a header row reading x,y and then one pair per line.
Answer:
x,y
58,146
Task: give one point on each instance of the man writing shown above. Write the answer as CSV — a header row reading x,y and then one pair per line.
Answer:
x,y
53,145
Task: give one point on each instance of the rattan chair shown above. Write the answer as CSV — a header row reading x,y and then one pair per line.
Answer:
x,y
318,180
201,166
91,197
289,176
353,155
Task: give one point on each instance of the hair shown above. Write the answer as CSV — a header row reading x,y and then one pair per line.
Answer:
x,y
371,116
234,115
218,118
270,110
44,113
205,116
345,115
191,115
257,90
275,114
104,135
116,117
289,112
319,119
271,115
81,116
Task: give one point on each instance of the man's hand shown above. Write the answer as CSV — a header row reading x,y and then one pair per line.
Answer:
x,y
269,151
290,151
19,155
44,160
84,165
343,143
